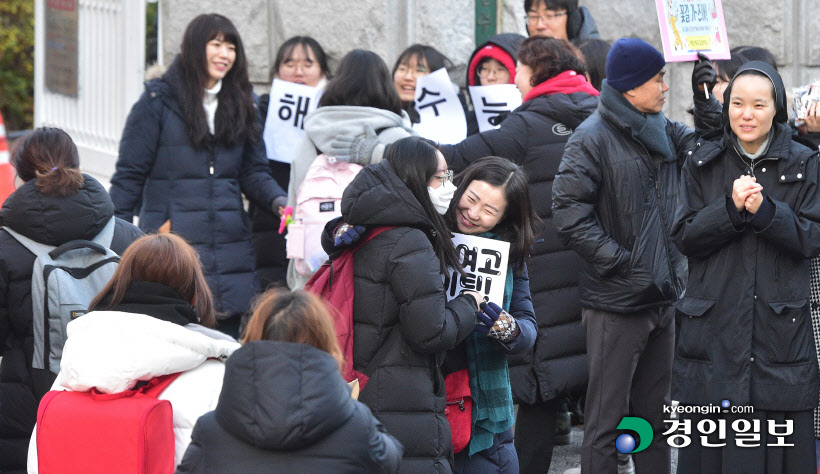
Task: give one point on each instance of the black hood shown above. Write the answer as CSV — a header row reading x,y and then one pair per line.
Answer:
x,y
54,220
377,197
509,42
782,114
282,395
568,109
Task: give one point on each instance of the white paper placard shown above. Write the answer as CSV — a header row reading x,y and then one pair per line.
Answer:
x,y
485,263
490,101
284,126
441,115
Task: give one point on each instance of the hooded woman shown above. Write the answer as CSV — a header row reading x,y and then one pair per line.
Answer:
x,y
749,220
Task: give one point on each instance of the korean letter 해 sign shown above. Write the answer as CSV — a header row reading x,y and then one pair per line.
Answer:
x,y
689,26
284,125
490,102
441,116
485,264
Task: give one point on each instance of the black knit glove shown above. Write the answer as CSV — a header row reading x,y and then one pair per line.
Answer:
x,y
703,74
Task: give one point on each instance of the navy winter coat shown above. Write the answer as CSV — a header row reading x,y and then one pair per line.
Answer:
x,y
160,176
52,221
285,408
533,136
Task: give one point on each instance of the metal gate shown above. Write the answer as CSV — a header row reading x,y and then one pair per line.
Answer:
x,y
110,49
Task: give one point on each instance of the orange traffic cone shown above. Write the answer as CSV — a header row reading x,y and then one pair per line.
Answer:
x,y
6,171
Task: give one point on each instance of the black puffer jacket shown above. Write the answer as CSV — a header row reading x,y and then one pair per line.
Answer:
x,y
613,203
745,328
161,176
52,221
534,136
285,408
402,324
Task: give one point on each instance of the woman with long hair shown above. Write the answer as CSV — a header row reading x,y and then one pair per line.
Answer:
x,y
153,318
290,354
360,101
54,203
190,148
402,322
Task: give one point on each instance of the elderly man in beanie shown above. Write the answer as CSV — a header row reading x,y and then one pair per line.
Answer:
x,y
614,199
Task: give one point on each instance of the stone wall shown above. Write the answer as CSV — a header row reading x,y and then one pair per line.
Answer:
x,y
388,26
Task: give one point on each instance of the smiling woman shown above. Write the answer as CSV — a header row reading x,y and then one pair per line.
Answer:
x,y
191,146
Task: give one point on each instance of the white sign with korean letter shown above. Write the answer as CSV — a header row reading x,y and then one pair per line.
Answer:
x,y
441,115
485,264
284,125
490,101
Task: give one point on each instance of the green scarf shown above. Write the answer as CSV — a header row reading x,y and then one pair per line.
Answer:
x,y
649,129
490,380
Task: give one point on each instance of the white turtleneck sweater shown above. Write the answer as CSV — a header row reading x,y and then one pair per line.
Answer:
x,y
210,102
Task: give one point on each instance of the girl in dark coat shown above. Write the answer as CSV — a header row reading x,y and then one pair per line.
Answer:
x,y
284,406
493,201
402,322
190,148
749,220
53,204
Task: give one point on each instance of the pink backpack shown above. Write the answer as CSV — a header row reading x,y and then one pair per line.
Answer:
x,y
318,200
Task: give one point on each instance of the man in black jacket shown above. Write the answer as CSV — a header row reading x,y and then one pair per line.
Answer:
x,y
614,200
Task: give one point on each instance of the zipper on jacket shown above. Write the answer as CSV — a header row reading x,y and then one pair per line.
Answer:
x,y
459,402
751,166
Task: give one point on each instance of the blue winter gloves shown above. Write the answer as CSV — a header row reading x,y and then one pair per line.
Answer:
x,y
346,235
496,323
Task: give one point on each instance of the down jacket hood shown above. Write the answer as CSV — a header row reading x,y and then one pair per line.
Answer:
x,y
282,395
507,43
377,197
54,220
324,124
112,351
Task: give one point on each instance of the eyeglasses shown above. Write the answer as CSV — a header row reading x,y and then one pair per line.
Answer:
x,y
448,177
532,18
403,70
486,71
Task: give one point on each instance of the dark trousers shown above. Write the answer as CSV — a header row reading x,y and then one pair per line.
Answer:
x,y
534,434
630,371
797,459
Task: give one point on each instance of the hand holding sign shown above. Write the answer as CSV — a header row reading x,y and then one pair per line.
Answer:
x,y
704,76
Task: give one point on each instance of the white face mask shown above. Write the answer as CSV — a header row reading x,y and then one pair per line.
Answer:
x,y
442,196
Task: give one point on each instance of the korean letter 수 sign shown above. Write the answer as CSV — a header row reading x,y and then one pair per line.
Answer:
x,y
441,115
490,102
485,265
689,26
285,122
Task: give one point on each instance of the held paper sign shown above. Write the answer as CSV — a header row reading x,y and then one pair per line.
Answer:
x,y
689,26
485,263
284,125
440,112
490,101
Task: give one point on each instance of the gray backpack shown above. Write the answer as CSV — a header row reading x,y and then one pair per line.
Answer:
x,y
64,280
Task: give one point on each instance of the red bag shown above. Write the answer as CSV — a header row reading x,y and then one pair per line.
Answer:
x,y
93,432
459,409
333,281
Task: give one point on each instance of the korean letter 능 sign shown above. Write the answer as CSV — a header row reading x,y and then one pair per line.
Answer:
x,y
284,125
689,26
441,116
485,265
490,102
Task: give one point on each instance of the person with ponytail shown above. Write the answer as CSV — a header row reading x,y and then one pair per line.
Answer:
x,y
192,145
54,203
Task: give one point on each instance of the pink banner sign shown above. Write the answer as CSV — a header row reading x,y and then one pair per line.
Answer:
x,y
692,26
